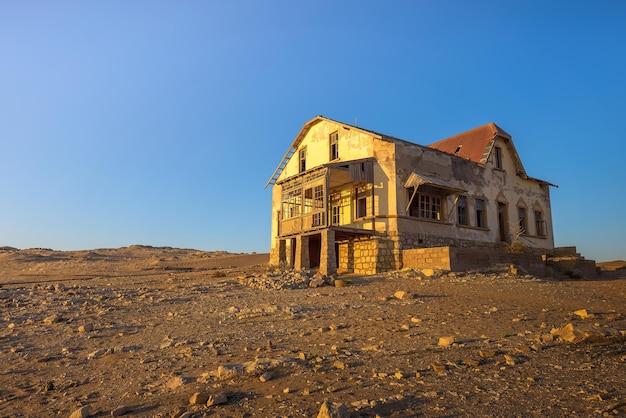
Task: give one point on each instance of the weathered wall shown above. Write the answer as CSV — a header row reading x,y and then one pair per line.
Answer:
x,y
484,182
461,259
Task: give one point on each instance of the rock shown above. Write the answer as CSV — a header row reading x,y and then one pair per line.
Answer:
x,y
85,328
317,282
217,399
471,362
582,313
333,410
428,272
199,398
228,371
266,377
567,333
52,319
177,381
341,283
120,410
510,360
486,354
402,295
82,412
97,354
446,341
439,368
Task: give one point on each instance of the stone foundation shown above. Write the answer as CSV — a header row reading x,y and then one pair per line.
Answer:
x,y
461,259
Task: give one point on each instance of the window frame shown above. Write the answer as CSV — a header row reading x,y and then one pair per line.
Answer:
x,y
427,206
333,145
480,212
541,229
461,211
522,221
497,151
302,160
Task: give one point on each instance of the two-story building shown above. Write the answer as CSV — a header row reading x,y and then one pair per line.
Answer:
x,y
348,199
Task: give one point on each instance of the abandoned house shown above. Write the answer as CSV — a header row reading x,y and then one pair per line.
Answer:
x,y
347,199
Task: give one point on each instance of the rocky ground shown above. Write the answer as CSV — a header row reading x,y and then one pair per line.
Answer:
x,y
162,332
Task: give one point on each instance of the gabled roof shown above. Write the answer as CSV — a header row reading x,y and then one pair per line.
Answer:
x,y
474,145
302,134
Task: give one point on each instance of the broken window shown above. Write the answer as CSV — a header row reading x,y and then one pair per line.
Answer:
x,y
361,202
302,160
292,203
498,157
523,223
461,210
334,145
426,204
540,224
340,207
308,200
480,213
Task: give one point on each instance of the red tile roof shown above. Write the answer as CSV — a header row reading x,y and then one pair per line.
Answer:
x,y
471,144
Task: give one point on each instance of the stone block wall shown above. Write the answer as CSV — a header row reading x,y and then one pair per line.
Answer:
x,y
409,240
460,259
369,255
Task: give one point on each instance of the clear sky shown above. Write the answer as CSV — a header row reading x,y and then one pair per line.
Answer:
x,y
159,122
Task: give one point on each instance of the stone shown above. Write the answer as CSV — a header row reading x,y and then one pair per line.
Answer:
x,y
176,382
82,412
445,341
402,295
266,377
510,360
97,354
333,410
52,319
428,272
567,333
199,398
120,410
317,282
217,399
582,313
229,371
471,362
487,354
85,328
341,283
439,368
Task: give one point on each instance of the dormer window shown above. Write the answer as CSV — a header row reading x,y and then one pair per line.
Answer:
x,y
497,152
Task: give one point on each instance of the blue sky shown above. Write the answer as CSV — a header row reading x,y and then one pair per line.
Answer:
x,y
159,123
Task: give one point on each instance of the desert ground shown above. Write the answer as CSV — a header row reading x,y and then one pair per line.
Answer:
x,y
163,332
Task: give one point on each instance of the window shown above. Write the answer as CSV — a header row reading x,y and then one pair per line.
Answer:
x,y
540,224
334,146
292,203
361,207
426,205
317,219
336,215
523,224
480,213
318,197
302,159
461,210
498,157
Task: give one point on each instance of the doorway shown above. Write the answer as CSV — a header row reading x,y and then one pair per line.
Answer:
x,y
315,250
502,222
